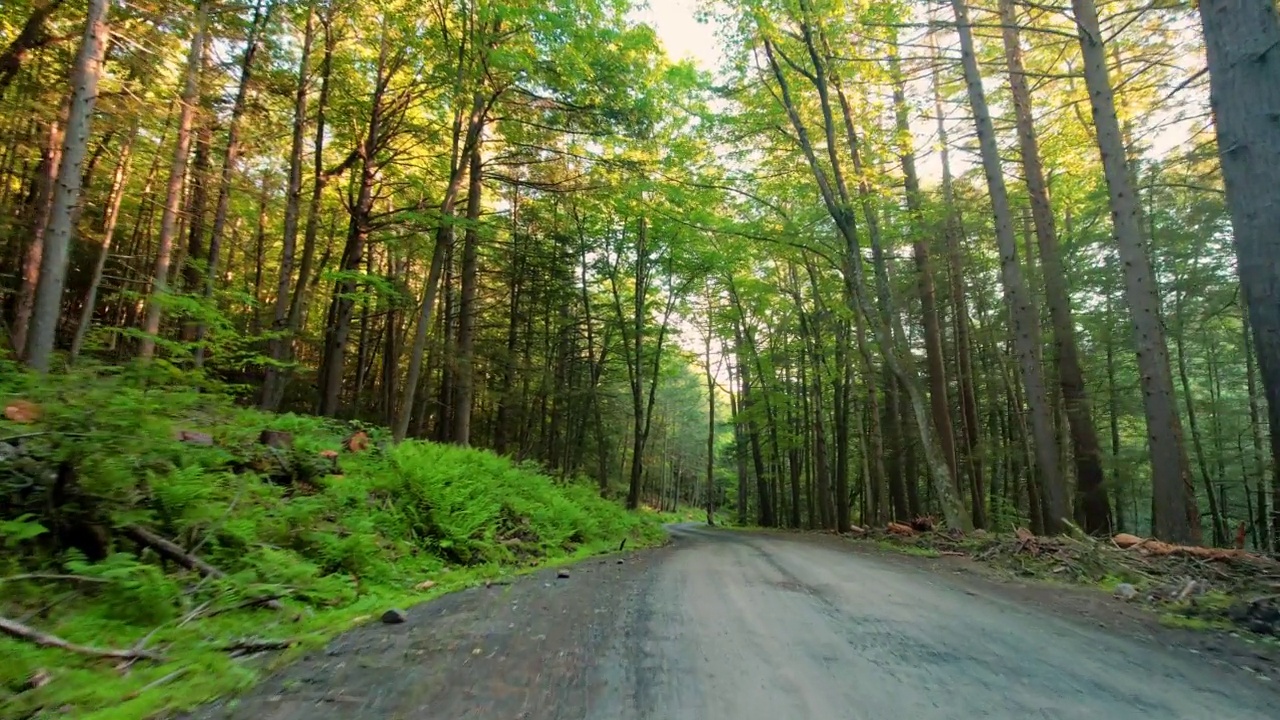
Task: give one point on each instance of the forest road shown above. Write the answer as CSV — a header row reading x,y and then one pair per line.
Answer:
x,y
746,626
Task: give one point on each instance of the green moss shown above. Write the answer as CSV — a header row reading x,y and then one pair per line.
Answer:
x,y
337,549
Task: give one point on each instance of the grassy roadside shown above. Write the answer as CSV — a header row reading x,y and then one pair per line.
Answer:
x,y
313,527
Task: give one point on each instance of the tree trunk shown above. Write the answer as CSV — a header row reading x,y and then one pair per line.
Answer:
x,y
710,483
1113,415
840,212
1084,438
464,146
1241,40
66,197
187,268
114,196
261,16
939,403
464,382
306,278
960,314
1176,516
46,187
739,446
1255,433
342,306
1197,444
1026,322
173,192
277,346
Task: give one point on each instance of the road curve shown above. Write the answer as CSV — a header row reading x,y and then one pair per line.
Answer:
x,y
740,626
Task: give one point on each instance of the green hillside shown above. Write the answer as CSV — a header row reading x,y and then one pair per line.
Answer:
x,y
314,525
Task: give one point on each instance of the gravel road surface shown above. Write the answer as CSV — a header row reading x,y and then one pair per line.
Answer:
x,y
741,626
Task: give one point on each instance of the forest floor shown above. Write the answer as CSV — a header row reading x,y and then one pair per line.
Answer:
x,y
726,625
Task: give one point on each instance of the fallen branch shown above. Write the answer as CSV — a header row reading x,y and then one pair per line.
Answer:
x,y
53,576
265,600
256,645
175,553
172,551
22,632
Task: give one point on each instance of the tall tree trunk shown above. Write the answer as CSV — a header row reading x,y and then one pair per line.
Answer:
x,y
739,448
835,199
960,312
938,400
1176,517
66,197
307,279
46,187
1113,415
464,382
503,434
277,346
1026,321
114,196
636,321
173,192
1255,433
1241,40
710,483
1084,438
261,16
187,268
342,306
1197,444
463,147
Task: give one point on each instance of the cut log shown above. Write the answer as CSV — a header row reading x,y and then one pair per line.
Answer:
x,y
23,412
899,529
1124,541
16,629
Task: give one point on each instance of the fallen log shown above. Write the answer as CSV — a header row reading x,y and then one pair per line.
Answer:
x,y
16,629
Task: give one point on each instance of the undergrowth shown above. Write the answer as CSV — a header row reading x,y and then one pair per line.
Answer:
x,y
310,545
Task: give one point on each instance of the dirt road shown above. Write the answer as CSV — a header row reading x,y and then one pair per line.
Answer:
x,y
727,626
